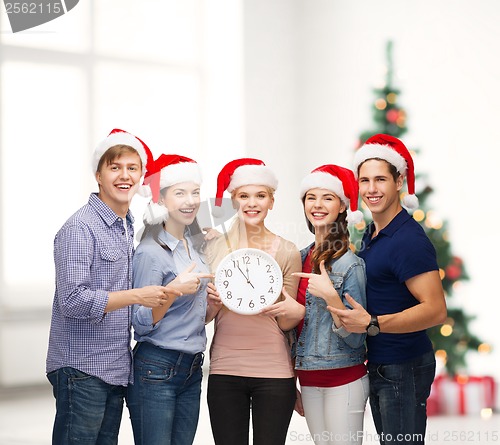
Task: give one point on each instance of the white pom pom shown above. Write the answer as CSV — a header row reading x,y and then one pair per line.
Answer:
x,y
217,212
144,191
354,217
155,214
410,202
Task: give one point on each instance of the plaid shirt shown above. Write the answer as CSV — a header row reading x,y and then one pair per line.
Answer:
x,y
93,256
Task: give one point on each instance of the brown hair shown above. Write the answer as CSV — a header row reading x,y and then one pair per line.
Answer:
x,y
115,152
392,169
334,245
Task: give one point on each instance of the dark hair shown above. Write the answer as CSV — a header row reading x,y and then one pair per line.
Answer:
x,y
115,152
334,245
392,169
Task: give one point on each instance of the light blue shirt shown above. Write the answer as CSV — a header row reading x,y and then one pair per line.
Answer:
x,y
183,326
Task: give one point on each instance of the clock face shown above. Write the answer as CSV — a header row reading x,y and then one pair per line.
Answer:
x,y
248,280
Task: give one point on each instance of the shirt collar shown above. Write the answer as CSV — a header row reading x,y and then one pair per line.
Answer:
x,y
395,223
171,241
105,211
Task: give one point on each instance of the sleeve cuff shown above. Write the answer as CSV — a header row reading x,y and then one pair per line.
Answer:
x,y
341,332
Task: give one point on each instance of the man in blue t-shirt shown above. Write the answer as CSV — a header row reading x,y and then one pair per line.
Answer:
x,y
404,294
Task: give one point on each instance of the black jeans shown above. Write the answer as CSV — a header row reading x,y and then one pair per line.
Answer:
x,y
230,399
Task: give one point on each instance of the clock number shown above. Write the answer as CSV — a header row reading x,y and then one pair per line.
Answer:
x,y
271,279
251,305
227,273
236,263
240,300
270,291
262,299
229,295
258,261
268,268
246,259
225,283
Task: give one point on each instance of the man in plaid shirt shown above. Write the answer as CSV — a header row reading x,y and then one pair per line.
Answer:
x,y
89,356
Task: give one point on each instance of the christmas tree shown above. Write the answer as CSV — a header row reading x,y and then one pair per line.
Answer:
x,y
452,340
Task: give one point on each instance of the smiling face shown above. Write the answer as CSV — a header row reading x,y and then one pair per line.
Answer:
x,y
322,208
118,181
378,188
182,201
254,202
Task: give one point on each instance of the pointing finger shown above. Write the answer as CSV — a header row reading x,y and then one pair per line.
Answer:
x,y
204,275
322,267
303,274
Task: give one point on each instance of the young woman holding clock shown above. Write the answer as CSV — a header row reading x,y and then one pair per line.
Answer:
x,y
330,361
164,398
250,360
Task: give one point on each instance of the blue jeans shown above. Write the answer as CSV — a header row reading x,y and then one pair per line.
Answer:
x,y
231,398
164,401
88,410
398,399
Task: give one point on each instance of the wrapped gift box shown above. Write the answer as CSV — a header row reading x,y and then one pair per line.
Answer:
x,y
461,395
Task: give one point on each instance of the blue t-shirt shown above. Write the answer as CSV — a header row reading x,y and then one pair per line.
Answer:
x,y
399,252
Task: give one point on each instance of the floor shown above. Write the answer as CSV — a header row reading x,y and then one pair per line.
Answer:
x,y
26,418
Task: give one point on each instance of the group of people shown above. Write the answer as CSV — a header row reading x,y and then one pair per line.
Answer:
x,y
348,326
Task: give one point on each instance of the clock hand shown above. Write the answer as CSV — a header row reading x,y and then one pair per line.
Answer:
x,y
246,278
242,273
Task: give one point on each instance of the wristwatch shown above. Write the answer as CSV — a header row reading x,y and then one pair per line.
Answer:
x,y
373,327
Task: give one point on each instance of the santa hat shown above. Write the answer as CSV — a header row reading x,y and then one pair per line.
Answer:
x,y
338,180
392,150
244,171
163,172
120,137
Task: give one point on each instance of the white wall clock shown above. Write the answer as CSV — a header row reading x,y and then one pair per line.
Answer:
x,y
248,280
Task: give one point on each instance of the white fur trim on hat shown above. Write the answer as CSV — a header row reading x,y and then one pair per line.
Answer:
x,y
326,181
180,172
354,217
155,214
120,138
372,151
253,175
410,202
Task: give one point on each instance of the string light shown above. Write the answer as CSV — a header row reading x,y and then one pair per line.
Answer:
x,y
441,355
486,413
418,215
361,225
392,98
446,330
484,348
433,221
380,104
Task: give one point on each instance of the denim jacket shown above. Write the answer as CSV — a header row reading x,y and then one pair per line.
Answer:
x,y
321,345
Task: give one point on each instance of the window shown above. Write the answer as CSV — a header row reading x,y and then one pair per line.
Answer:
x,y
166,70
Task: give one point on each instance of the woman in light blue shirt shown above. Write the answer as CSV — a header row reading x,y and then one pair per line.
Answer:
x,y
164,400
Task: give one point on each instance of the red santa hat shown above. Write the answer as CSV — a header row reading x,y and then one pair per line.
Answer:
x,y
392,150
163,172
244,171
120,137
338,180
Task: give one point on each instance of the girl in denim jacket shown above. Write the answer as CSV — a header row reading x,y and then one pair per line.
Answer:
x,y
330,362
